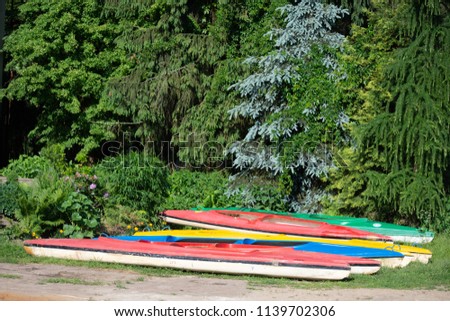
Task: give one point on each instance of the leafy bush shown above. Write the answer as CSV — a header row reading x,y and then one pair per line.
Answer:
x,y
55,154
136,180
90,186
262,194
27,166
190,189
81,217
52,206
37,210
74,205
122,220
8,198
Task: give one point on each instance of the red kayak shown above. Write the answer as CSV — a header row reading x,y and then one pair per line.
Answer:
x,y
242,221
207,257
358,265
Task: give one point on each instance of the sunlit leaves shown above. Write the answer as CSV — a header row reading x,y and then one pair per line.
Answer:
x,y
60,57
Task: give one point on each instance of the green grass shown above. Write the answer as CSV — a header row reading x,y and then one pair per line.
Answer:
x,y
435,275
9,276
74,281
120,285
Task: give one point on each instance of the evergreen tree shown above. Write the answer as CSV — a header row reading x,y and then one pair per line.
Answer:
x,y
184,56
287,138
206,129
173,58
412,132
357,11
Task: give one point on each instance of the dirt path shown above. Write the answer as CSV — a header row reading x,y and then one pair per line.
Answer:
x,y
49,282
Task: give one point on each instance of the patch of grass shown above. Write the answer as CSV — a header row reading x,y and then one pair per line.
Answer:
x,y
74,281
119,285
9,276
434,275
12,252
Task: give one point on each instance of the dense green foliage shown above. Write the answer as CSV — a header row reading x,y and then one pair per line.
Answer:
x,y
367,50
400,168
192,189
172,59
183,57
8,200
339,106
84,201
27,166
61,55
412,132
195,189
136,180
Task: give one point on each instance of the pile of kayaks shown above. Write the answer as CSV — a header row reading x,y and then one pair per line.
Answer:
x,y
397,233
255,242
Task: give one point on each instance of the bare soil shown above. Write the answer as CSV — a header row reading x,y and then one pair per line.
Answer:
x,y
39,282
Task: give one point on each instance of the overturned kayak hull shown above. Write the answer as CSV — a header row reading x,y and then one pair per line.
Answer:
x,y
267,224
193,265
185,258
359,265
398,233
387,258
411,253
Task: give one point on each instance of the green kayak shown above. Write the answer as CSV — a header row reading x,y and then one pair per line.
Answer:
x,y
398,233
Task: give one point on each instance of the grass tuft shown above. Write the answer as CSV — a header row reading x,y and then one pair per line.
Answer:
x,y
9,276
74,281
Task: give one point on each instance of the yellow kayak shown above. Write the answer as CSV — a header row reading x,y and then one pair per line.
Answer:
x,y
418,254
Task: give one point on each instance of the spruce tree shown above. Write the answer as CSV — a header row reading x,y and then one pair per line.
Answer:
x,y
286,139
206,129
172,60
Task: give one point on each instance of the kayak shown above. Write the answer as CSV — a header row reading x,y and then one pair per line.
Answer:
x,y
216,258
387,258
410,252
398,233
265,223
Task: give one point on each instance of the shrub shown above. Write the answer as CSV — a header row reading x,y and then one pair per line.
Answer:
x,y
51,206
137,181
8,197
81,217
37,210
122,220
90,186
27,166
56,155
190,189
262,194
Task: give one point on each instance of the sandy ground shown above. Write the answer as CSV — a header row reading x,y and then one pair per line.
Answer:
x,y
32,282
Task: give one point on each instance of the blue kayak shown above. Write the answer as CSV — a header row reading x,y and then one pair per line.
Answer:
x,y
387,257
